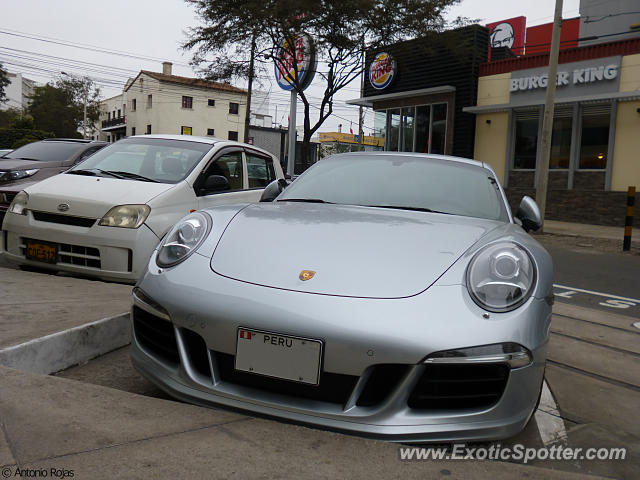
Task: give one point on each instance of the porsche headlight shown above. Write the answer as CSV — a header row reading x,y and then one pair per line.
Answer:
x,y
183,239
19,203
501,277
126,216
11,175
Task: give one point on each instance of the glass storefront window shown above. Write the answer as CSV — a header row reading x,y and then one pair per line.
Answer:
x,y
393,130
408,114
438,128
423,113
594,141
561,143
379,123
526,143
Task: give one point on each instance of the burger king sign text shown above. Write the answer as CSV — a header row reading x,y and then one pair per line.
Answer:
x,y
382,71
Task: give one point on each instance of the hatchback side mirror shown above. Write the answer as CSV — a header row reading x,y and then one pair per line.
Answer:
x,y
274,189
529,214
215,183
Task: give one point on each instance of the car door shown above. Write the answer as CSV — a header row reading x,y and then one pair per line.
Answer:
x,y
229,163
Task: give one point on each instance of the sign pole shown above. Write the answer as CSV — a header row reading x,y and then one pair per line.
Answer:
x,y
292,133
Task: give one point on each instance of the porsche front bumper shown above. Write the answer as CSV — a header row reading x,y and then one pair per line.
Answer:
x,y
374,381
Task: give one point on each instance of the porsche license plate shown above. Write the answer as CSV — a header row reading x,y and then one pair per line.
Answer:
x,y
41,251
281,356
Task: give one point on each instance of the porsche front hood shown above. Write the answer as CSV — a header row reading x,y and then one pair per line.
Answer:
x,y
353,251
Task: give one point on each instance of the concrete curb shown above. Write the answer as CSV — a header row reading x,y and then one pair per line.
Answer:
x,y
62,350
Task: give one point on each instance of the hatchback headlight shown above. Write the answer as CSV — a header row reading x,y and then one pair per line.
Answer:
x,y
126,216
183,239
501,277
10,175
19,203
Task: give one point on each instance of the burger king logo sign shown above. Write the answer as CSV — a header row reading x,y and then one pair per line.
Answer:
x,y
382,71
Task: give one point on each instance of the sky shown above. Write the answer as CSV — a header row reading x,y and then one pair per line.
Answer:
x,y
114,40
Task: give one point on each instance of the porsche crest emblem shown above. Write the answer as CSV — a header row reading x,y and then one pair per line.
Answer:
x,y
306,275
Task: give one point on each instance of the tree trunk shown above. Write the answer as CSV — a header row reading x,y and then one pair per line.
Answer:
x,y
247,117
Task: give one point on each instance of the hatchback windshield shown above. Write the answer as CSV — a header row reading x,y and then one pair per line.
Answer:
x,y
145,159
47,151
402,182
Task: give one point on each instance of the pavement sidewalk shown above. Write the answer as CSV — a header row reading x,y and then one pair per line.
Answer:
x,y
590,231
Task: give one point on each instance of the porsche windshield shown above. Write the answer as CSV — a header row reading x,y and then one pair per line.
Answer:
x,y
401,182
144,159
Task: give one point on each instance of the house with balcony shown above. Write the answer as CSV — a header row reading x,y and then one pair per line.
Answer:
x,y
155,102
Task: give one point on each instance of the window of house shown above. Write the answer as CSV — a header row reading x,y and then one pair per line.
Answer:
x,y
211,102
210,131
114,114
186,130
594,141
108,116
148,129
233,136
234,108
133,105
526,140
561,142
133,131
119,113
149,101
260,171
187,102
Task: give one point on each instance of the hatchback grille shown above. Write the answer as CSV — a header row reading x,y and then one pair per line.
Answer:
x,y
63,219
156,335
333,387
458,387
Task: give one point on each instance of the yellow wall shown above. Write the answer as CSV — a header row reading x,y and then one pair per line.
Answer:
x,y
494,89
630,73
626,153
491,141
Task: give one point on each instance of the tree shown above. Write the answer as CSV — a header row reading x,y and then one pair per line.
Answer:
x,y
59,108
342,31
4,81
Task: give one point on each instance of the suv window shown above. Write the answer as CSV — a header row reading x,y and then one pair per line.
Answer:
x,y
228,165
47,151
88,152
260,171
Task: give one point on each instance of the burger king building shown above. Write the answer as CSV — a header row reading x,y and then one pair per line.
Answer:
x,y
418,89
595,153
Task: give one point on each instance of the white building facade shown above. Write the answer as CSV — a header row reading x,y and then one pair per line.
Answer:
x,y
17,92
164,103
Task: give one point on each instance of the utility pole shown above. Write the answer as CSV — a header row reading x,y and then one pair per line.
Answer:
x,y
549,107
84,120
247,116
360,113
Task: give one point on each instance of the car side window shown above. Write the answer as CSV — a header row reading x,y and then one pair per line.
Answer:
x,y
87,153
229,165
260,171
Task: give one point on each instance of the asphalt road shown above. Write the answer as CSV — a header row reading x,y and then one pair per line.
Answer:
x,y
594,279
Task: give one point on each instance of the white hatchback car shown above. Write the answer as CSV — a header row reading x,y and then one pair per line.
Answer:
x,y
105,216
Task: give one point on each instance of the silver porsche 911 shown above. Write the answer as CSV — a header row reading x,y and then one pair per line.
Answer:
x,y
385,294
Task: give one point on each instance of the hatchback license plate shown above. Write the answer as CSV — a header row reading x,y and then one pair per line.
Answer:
x,y
42,252
281,356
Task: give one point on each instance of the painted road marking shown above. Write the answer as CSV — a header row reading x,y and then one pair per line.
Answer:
x,y
613,301
550,423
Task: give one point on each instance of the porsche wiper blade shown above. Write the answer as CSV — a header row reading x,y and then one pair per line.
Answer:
x,y
416,209
133,176
307,200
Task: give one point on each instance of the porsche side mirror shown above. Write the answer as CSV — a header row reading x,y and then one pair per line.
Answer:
x,y
529,214
274,189
215,183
